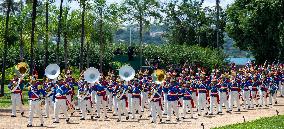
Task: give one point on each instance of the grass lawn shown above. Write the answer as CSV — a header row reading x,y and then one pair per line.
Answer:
x,y
275,122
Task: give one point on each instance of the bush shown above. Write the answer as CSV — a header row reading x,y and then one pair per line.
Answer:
x,y
168,53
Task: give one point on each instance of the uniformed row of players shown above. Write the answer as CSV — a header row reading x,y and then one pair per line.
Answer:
x,y
184,89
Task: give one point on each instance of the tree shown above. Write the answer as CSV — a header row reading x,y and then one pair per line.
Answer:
x,y
65,34
83,6
108,19
9,4
141,11
257,26
59,31
188,23
21,34
33,36
46,34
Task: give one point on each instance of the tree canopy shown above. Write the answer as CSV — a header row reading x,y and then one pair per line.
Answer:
x,y
258,26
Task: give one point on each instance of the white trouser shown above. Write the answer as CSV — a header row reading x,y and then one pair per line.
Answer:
x,y
109,100
144,99
223,100
129,102
272,96
34,107
122,108
165,104
156,109
173,106
115,105
234,98
202,102
101,104
281,88
16,100
214,101
83,107
185,104
135,104
150,106
246,96
253,99
194,97
48,104
70,100
60,104
263,97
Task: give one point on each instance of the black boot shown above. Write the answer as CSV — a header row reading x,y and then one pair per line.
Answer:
x,y
29,125
67,120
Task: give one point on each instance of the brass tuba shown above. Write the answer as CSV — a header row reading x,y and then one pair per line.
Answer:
x,y
159,76
21,69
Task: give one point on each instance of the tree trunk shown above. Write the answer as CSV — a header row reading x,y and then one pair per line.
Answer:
x,y
5,46
21,35
58,33
217,20
87,54
140,38
33,36
81,65
46,34
65,43
101,40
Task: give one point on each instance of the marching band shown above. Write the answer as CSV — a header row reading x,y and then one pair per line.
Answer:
x,y
163,92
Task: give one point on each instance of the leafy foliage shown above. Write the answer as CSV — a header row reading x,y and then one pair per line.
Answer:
x,y
257,26
189,23
168,53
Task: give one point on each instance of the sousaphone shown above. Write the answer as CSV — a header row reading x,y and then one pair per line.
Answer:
x,y
92,75
52,71
126,73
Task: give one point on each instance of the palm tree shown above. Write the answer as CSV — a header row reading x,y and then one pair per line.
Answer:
x,y
9,3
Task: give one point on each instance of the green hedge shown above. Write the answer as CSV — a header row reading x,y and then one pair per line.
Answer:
x,y
168,53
